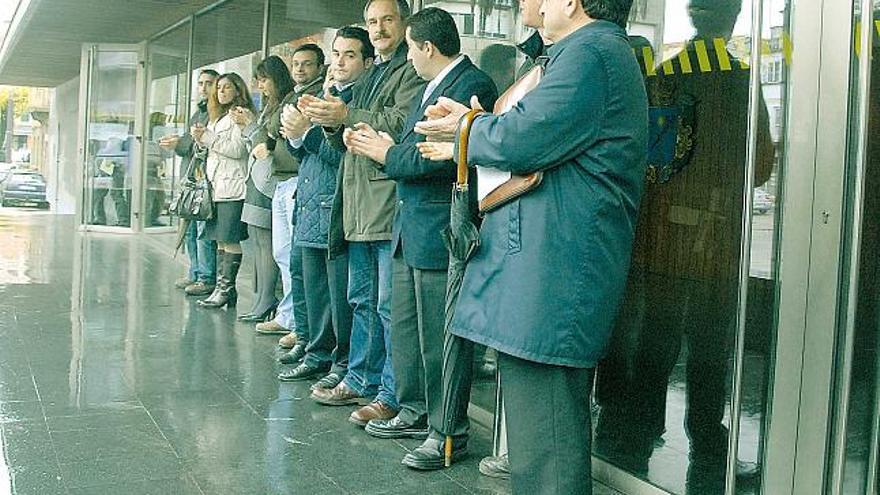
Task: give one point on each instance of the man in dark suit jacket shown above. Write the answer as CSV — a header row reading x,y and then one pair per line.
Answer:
x,y
420,258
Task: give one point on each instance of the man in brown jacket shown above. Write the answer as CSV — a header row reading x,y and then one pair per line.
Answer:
x,y
363,210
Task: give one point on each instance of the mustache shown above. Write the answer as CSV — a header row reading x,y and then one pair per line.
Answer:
x,y
381,34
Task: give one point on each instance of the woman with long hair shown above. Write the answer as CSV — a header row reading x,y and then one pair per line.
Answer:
x,y
226,168
267,166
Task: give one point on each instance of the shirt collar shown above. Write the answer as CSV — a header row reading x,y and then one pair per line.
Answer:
x,y
343,87
441,76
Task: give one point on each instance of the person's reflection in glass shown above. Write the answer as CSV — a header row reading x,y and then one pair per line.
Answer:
x,y
684,276
499,61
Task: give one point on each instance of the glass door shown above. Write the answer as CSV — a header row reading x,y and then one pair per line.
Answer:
x,y
110,136
167,120
854,466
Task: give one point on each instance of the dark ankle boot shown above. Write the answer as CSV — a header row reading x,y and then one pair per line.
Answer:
x,y
224,292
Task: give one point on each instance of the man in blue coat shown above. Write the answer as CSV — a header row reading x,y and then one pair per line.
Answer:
x,y
420,259
325,279
546,283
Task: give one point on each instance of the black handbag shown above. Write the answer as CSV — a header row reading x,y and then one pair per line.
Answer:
x,y
195,201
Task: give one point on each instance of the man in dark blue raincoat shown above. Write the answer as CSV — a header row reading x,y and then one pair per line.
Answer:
x,y
545,285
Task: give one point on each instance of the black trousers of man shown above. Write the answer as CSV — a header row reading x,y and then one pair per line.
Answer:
x,y
547,409
329,314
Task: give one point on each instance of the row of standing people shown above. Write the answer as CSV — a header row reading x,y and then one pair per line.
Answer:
x,y
367,263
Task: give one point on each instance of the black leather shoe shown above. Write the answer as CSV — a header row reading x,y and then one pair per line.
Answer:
x,y
331,380
295,355
258,317
397,428
429,455
301,372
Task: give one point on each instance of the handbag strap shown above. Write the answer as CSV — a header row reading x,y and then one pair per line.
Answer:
x,y
464,136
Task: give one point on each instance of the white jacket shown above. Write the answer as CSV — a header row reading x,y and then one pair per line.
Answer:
x,y
227,159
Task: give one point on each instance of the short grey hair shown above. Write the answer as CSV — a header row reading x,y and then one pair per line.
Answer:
x,y
403,8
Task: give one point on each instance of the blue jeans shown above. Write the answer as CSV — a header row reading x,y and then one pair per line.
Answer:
x,y
369,293
282,237
202,255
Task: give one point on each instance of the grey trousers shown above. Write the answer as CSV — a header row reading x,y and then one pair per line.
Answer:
x,y
418,312
329,314
547,409
265,270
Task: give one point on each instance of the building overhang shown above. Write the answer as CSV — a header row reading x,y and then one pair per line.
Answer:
x,y
44,43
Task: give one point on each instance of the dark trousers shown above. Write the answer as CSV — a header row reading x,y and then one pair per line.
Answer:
x,y
547,409
298,295
329,314
418,312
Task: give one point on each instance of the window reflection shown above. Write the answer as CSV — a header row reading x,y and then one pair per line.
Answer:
x,y
663,391
167,119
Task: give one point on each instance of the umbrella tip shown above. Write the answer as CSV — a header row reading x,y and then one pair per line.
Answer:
x,y
447,451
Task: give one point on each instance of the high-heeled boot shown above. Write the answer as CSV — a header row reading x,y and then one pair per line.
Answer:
x,y
225,293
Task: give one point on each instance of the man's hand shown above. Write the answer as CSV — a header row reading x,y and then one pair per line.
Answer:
x,y
365,141
261,152
197,131
293,123
443,118
169,142
329,112
435,151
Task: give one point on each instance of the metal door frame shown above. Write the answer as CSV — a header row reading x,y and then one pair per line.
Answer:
x,y
87,64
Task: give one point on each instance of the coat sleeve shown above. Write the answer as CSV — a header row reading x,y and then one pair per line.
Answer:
x,y
184,146
550,125
391,118
228,142
315,143
404,160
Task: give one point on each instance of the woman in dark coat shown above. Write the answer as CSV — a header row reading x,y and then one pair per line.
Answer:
x,y
274,81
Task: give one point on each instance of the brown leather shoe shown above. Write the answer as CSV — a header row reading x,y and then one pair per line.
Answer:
x,y
288,341
373,410
340,395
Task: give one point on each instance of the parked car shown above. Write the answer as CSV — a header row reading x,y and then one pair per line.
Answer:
x,y
761,202
23,187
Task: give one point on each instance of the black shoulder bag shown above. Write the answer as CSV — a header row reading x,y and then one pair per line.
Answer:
x,y
195,201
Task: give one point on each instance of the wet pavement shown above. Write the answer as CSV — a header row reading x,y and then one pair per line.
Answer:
x,y
111,381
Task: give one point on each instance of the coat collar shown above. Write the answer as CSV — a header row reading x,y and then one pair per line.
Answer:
x,y
591,29
418,113
533,46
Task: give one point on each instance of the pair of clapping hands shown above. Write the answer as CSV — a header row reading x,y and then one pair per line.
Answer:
x,y
439,130
309,110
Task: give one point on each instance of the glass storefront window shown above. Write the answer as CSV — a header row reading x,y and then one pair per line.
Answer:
x,y
858,426
228,39
664,391
166,117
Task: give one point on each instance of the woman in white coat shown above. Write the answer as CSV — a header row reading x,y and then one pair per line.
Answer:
x,y
226,168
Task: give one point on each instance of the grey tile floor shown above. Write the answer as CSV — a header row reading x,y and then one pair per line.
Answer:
x,y
113,382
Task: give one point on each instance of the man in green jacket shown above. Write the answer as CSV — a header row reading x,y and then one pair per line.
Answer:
x,y
363,210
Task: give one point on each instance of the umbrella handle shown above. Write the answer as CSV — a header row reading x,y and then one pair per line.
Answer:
x,y
464,135
447,447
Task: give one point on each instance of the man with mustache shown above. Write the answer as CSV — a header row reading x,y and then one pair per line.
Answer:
x,y
363,209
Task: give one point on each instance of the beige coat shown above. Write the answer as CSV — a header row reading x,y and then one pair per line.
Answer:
x,y
227,159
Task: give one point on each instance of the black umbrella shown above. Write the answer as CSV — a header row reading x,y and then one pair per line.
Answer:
x,y
462,239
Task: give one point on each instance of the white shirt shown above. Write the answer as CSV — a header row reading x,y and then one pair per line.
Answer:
x,y
429,89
